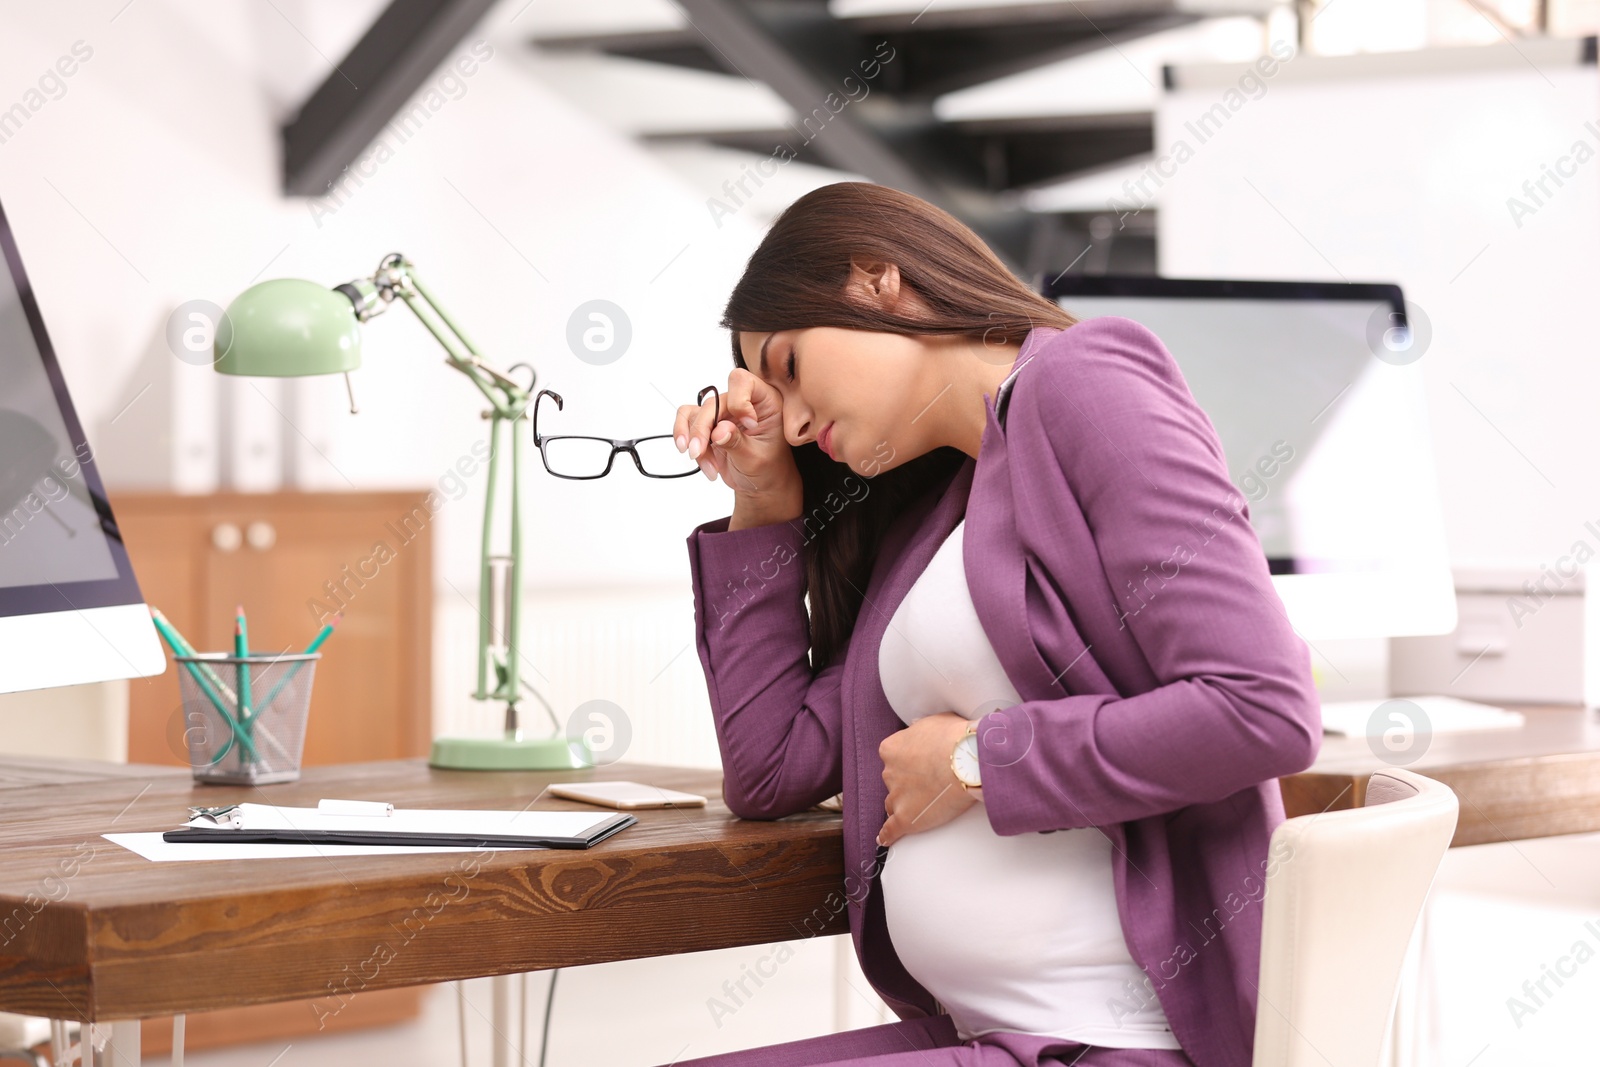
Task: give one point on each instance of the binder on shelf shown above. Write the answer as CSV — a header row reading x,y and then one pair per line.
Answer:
x,y
271,824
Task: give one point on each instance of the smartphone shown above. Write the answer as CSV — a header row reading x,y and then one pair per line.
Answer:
x,y
626,795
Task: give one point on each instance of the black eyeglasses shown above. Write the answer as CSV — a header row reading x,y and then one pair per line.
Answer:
x,y
577,457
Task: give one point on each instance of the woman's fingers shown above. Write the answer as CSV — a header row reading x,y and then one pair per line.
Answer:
x,y
746,404
739,402
700,430
680,426
692,446
725,439
690,423
745,423
701,447
751,400
769,402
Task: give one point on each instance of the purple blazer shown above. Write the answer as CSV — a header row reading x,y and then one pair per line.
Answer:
x,y
1114,569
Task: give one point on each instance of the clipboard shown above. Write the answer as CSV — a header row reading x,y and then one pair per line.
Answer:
x,y
271,824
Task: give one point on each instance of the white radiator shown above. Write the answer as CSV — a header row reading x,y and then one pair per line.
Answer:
x,y
631,647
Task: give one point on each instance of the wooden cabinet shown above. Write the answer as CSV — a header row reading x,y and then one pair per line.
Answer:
x,y
292,559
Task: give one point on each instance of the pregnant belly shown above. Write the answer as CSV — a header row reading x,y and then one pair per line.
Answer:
x,y
961,900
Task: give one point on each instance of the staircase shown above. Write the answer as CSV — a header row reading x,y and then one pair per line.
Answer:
x,y
1019,118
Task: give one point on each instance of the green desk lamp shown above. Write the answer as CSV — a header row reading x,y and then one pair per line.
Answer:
x,y
287,328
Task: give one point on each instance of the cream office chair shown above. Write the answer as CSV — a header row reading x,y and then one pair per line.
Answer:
x,y
1339,911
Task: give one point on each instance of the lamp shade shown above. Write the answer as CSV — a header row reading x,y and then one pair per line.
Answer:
x,y
287,328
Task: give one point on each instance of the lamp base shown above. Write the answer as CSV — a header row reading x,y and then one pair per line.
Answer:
x,y
505,754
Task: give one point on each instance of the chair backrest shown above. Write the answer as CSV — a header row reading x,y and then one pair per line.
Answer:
x,y
1342,900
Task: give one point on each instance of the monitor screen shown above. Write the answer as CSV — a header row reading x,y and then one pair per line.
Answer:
x,y
50,532
1323,421
70,608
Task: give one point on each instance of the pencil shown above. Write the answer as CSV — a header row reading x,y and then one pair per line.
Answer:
x,y
180,647
179,642
241,652
316,643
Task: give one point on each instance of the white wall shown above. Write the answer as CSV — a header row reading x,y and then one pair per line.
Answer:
x,y
1405,177
154,179
1373,168
1502,919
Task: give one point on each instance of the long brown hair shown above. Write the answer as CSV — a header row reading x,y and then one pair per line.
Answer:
x,y
796,279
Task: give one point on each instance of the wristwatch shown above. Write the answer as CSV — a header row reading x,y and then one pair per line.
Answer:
x,y
964,762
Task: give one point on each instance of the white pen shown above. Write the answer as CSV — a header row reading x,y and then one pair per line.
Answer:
x,y
354,807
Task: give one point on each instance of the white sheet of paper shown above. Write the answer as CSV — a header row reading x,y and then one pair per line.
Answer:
x,y
153,848
1445,714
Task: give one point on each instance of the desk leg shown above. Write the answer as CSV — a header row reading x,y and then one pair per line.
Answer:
x,y
122,1048
500,1018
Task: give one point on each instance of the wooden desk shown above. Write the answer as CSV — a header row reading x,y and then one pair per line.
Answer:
x,y
31,772
96,932
89,931
1541,780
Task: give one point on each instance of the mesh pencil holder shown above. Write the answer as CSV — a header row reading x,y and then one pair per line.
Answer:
x,y
262,744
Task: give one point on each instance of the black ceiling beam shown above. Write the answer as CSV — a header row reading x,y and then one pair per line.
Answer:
x,y
939,49
929,61
674,47
762,142
892,136
777,43
366,88
1012,154
804,55
1086,13
1026,153
952,52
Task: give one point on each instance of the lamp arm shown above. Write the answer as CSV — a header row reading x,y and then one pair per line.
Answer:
x,y
509,400
396,276
439,310
493,388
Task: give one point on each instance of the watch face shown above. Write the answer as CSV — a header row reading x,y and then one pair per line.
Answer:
x,y
965,762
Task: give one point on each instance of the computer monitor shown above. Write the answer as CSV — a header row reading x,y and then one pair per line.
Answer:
x,y
1317,396
70,610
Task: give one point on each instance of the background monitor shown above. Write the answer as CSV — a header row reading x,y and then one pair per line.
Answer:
x,y
1324,423
70,610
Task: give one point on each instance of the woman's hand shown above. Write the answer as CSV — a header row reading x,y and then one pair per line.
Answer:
x,y
746,447
924,792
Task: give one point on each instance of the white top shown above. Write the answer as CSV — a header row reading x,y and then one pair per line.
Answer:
x,y
1049,956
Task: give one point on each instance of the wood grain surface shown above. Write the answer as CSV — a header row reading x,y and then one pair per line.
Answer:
x,y
90,931
1540,780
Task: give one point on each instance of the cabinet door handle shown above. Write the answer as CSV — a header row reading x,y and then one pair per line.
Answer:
x,y
261,536
226,537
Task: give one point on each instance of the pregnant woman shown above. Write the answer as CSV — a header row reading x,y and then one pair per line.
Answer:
x,y
986,576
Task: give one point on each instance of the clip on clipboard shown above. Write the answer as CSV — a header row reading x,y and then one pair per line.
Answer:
x,y
339,823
